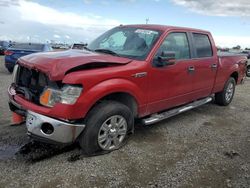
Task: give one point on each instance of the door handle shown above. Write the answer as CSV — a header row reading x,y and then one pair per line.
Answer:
x,y
214,66
191,69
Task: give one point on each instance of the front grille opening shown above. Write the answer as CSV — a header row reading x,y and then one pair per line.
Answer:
x,y
31,83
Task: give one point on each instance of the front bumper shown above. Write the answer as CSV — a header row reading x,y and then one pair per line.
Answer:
x,y
63,132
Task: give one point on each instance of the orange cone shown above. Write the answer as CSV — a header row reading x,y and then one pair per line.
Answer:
x,y
17,119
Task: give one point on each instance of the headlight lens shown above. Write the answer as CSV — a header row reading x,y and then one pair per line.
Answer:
x,y
67,95
70,94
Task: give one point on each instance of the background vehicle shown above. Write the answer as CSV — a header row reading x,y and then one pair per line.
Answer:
x,y
21,49
248,68
247,52
3,46
148,72
79,46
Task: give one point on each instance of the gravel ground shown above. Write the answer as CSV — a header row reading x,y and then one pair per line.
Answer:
x,y
206,147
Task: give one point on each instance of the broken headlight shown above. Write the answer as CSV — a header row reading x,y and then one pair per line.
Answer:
x,y
67,95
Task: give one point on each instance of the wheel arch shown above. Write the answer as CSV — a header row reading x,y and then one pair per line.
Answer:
x,y
235,75
123,97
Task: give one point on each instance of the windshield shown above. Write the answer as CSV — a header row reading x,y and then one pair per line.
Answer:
x,y
28,46
134,43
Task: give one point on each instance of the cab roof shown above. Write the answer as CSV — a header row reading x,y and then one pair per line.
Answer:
x,y
164,27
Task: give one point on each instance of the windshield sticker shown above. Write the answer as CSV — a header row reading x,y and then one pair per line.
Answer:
x,y
147,32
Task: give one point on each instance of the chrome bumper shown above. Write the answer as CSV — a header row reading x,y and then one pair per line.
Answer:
x,y
63,132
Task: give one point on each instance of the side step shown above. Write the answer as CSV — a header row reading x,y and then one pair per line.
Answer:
x,y
167,114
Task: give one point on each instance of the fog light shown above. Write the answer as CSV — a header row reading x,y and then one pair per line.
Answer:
x,y
47,128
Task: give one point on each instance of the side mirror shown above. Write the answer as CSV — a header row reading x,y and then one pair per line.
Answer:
x,y
166,58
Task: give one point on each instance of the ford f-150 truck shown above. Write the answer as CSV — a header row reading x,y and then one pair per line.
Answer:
x,y
146,72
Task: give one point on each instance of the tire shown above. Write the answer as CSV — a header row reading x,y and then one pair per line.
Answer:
x,y
10,70
102,136
225,97
248,71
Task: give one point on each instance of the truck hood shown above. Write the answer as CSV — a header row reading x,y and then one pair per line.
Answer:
x,y
57,64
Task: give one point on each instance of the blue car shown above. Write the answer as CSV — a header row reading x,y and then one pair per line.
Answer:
x,y
21,49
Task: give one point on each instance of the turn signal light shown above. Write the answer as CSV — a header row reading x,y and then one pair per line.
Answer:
x,y
45,97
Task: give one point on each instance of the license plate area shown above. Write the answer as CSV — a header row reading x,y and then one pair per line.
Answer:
x,y
30,120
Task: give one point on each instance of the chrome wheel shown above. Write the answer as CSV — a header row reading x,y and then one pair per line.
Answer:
x,y
112,132
248,71
229,91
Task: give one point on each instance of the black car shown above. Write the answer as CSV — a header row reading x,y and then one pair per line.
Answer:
x,y
78,46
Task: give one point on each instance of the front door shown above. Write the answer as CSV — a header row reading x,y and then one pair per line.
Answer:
x,y
171,85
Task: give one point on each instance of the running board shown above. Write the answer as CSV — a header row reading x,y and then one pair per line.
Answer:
x,y
167,114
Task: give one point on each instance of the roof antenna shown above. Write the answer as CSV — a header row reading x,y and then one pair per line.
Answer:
x,y
147,20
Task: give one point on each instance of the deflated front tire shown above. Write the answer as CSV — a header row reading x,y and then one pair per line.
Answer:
x,y
107,126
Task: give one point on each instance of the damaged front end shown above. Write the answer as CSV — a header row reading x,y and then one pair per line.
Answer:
x,y
30,85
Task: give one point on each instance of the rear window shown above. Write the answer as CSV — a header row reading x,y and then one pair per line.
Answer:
x,y
23,46
202,45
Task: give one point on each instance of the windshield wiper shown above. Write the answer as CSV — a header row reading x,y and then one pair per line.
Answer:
x,y
106,51
86,48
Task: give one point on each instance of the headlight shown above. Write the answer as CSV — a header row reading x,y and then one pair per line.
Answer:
x,y
67,95
70,94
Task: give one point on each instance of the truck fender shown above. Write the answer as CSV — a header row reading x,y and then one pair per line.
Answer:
x,y
107,87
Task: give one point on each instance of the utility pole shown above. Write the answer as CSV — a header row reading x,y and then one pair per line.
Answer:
x,y
147,20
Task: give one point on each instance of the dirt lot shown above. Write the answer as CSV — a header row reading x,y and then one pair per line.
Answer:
x,y
205,147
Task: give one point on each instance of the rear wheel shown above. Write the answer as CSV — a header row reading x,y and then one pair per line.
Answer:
x,y
107,126
225,97
248,71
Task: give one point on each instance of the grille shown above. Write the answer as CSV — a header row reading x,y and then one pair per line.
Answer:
x,y
31,83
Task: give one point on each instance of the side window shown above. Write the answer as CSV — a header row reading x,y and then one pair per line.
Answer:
x,y
177,43
114,42
202,45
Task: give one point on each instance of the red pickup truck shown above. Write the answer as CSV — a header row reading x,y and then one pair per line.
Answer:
x,y
146,72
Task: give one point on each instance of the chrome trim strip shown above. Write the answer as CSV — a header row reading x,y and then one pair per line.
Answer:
x,y
170,113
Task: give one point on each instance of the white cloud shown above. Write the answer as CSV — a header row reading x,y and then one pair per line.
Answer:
x,y
23,19
217,7
7,3
231,41
67,37
56,36
35,12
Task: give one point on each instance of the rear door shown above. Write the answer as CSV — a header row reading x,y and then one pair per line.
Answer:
x,y
205,64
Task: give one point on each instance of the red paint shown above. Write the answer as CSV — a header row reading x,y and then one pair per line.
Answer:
x,y
160,89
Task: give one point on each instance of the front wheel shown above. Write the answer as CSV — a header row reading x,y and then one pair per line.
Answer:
x,y
225,97
10,70
248,71
107,126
